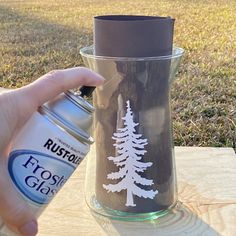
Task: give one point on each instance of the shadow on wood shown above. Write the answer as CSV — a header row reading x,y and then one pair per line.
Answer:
x,y
180,221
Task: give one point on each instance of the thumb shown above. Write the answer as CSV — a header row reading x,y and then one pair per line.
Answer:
x,y
15,213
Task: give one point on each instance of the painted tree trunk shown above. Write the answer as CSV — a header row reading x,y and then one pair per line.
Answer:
x,y
129,199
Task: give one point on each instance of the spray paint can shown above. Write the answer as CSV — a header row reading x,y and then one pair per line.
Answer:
x,y
48,149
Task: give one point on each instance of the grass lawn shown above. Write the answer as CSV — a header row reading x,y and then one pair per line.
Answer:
x,y
38,36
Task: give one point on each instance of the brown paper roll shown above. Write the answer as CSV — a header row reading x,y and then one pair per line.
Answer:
x,y
133,36
146,86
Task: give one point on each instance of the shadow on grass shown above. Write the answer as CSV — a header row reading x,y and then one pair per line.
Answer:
x,y
31,46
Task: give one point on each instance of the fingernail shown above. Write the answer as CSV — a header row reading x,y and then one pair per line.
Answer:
x,y
29,229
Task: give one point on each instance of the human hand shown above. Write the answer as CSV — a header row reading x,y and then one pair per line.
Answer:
x,y
16,108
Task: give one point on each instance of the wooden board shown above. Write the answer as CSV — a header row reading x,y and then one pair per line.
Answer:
x,y
207,190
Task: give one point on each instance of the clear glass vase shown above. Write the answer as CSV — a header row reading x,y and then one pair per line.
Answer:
x,y
132,174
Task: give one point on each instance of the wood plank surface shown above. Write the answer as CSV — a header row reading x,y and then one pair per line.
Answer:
x,y
207,192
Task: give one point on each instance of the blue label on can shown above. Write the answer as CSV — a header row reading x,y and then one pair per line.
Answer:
x,y
37,175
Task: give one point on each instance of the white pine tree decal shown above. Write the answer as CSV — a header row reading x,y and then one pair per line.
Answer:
x,y
130,149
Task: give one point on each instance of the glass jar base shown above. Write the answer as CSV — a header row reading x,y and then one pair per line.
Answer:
x,y
97,208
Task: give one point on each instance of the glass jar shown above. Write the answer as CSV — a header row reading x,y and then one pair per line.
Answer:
x,y
132,175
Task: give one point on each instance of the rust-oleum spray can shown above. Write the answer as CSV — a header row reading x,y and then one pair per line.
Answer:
x,y
48,149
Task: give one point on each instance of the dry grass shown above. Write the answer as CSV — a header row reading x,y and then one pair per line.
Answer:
x,y
37,36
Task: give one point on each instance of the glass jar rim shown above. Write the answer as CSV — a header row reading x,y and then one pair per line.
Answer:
x,y
88,52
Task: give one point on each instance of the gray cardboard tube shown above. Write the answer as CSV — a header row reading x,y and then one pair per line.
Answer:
x,y
133,36
146,85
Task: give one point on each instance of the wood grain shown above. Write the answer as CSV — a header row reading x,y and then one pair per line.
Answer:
x,y
207,190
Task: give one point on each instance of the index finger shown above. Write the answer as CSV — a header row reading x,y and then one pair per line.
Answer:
x,y
50,85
